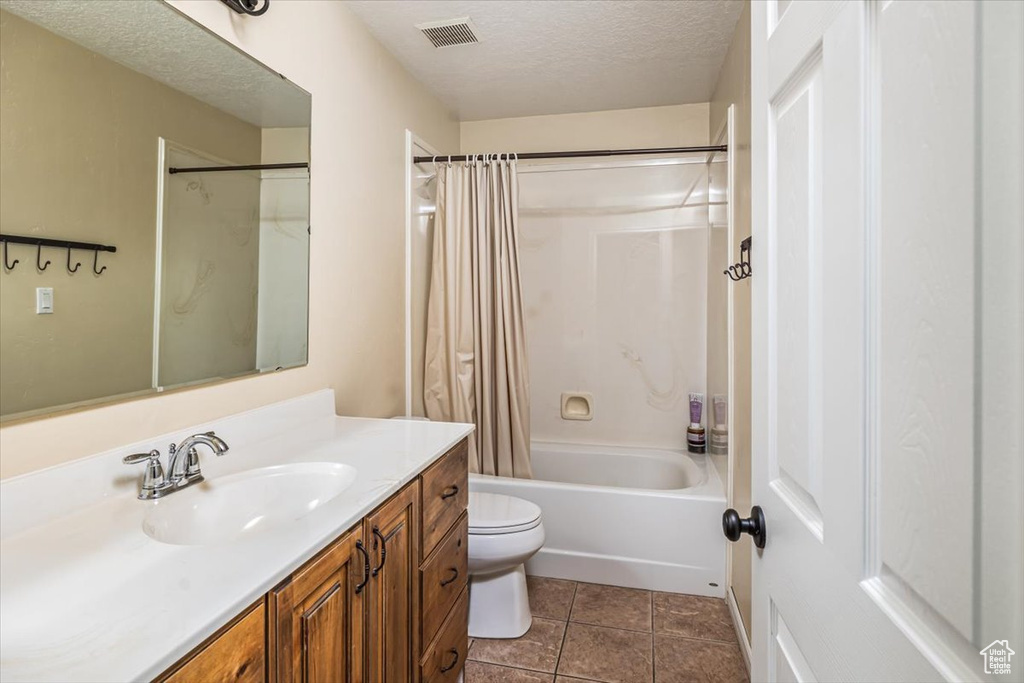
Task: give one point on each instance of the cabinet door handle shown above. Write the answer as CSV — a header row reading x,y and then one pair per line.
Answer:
x,y
455,575
450,491
383,550
366,566
455,660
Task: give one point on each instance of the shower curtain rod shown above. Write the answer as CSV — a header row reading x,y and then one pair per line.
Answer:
x,y
249,167
579,153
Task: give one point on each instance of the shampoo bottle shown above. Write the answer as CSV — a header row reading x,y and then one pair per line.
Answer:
x,y
695,439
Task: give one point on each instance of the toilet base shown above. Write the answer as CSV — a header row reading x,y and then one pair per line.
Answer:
x,y
498,604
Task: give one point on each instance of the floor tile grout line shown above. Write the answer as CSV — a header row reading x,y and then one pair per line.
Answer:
x,y
616,628
565,633
699,639
654,652
509,666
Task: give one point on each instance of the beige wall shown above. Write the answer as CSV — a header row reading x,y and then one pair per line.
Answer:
x,y
79,161
676,125
734,88
363,100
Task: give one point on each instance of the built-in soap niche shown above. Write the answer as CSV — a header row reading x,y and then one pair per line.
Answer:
x,y
577,405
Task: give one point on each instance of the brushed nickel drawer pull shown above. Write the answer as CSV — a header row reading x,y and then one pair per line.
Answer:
x,y
452,490
455,575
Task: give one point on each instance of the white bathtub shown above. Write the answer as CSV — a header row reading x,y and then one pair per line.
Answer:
x,y
633,517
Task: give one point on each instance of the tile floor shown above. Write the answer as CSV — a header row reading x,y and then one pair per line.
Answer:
x,y
590,632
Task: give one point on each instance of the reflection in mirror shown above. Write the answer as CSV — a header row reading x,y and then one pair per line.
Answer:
x,y
116,122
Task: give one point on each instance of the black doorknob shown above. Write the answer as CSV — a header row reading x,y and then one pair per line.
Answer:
x,y
734,526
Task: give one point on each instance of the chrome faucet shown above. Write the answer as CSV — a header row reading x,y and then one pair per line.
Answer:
x,y
182,465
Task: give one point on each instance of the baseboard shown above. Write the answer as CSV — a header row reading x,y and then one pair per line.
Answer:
x,y
737,622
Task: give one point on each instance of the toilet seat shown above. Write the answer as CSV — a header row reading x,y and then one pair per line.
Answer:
x,y
494,513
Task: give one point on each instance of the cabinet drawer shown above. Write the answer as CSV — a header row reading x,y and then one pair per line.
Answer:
x,y
445,659
443,577
236,654
445,490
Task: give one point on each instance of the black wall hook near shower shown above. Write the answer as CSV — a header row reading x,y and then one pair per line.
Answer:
x,y
253,8
7,265
77,265
39,254
741,271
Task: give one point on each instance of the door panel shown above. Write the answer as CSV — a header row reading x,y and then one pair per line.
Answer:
x,y
393,608
925,341
795,137
317,618
871,317
787,660
324,635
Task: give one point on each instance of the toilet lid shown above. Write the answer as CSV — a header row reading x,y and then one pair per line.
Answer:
x,y
494,513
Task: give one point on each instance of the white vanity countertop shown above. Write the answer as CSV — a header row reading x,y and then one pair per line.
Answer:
x,y
86,595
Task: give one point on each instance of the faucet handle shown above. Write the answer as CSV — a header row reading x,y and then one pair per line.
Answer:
x,y
136,458
153,482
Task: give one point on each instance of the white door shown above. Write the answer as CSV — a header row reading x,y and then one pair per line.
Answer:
x,y
887,338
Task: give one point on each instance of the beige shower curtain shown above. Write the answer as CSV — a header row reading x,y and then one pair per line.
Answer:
x,y
475,366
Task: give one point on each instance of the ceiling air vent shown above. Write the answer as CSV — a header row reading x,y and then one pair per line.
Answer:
x,y
449,32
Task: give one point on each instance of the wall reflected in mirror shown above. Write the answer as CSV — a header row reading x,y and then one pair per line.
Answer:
x,y
99,101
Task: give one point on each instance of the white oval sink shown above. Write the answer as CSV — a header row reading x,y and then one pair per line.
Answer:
x,y
246,503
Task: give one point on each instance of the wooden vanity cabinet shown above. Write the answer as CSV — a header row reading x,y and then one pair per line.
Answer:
x,y
392,531
353,613
317,616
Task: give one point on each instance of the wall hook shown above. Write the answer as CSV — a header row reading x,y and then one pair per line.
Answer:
x,y
70,269
742,270
39,254
8,266
95,259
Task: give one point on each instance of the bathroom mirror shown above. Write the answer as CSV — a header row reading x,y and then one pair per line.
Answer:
x,y
126,271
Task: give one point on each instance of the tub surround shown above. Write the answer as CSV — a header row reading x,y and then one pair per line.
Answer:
x,y
86,595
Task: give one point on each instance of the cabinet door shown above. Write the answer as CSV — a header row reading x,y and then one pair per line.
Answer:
x,y
317,617
393,601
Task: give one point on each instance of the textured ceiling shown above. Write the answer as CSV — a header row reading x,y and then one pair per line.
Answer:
x,y
150,37
559,56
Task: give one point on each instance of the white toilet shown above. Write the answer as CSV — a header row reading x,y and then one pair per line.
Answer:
x,y
504,532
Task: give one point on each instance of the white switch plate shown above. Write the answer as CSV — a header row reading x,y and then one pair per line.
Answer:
x,y
44,299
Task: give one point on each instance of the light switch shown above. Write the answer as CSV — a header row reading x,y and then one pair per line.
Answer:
x,y
44,299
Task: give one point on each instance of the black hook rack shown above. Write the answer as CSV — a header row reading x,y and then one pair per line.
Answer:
x,y
40,242
741,271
